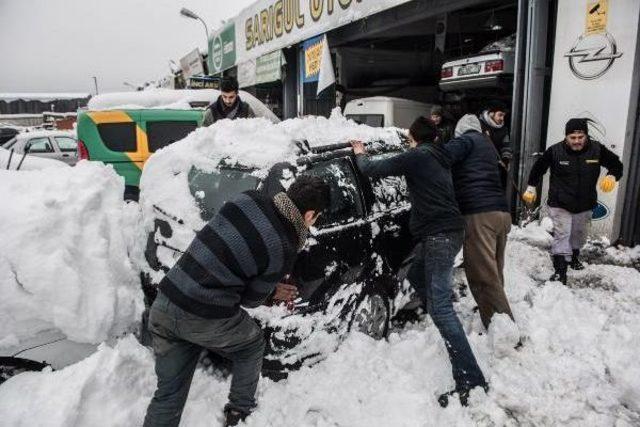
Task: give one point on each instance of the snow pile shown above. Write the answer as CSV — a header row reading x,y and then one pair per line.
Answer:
x,y
171,99
63,259
577,366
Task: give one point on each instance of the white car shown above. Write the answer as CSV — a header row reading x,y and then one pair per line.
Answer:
x,y
56,145
491,67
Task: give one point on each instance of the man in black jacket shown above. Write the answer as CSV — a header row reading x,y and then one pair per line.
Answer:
x,y
493,124
235,260
575,167
476,178
438,229
444,127
228,105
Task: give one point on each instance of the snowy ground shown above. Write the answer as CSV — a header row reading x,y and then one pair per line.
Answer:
x,y
578,366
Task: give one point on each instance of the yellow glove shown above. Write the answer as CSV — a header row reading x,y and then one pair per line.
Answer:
x,y
529,196
608,183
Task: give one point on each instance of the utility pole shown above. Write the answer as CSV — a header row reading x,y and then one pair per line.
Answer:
x,y
95,82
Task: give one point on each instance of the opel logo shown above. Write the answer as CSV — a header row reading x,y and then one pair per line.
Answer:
x,y
592,55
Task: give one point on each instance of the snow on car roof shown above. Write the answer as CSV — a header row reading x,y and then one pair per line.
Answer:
x,y
41,96
255,143
44,133
170,99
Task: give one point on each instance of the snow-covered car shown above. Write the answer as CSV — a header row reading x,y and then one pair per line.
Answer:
x,y
350,275
53,145
493,66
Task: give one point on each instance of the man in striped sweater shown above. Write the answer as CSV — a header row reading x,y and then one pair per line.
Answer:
x,y
237,259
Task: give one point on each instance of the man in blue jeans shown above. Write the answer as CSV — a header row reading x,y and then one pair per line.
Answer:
x,y
438,228
235,260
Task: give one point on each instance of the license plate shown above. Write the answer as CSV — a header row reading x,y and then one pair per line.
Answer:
x,y
468,69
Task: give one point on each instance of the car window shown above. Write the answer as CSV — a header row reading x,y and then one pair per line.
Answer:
x,y
389,192
346,202
66,143
373,120
39,145
212,189
118,136
162,133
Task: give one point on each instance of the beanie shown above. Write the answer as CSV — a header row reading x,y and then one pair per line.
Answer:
x,y
576,124
496,105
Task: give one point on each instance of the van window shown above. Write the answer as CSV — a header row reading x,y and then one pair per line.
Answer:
x,y
373,120
118,136
163,133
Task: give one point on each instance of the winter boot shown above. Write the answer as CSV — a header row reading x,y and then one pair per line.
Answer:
x,y
560,267
575,261
463,395
233,417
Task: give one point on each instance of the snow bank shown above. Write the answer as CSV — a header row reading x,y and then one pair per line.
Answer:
x,y
171,99
577,367
63,258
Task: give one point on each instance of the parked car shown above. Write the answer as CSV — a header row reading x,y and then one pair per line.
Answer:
x,y
492,67
7,133
351,275
385,111
56,145
150,120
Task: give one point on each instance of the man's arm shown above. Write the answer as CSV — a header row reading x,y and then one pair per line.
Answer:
x,y
611,161
459,148
539,168
250,113
393,166
506,152
208,118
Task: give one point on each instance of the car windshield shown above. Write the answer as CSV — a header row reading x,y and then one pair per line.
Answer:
x,y
212,189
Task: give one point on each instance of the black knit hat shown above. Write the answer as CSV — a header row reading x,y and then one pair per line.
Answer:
x,y
576,124
497,105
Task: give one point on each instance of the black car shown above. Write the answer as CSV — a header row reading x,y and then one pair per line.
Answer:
x,y
7,133
350,275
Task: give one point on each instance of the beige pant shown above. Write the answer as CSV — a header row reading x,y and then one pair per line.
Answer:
x,y
484,245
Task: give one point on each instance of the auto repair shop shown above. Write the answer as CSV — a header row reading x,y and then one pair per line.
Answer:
x,y
548,59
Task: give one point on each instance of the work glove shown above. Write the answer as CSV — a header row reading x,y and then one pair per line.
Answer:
x,y
608,183
529,196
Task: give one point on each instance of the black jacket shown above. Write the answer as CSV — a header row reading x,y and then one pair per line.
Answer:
x,y
445,131
476,174
218,111
433,205
236,259
574,174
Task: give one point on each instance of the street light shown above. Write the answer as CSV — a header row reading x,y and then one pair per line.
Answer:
x,y
192,15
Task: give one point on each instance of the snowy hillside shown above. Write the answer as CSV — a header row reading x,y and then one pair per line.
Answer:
x,y
577,367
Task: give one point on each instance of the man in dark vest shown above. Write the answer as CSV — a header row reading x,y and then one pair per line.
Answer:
x,y
235,260
444,127
229,105
575,167
438,229
493,124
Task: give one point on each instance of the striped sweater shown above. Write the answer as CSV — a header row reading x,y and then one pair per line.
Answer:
x,y
237,258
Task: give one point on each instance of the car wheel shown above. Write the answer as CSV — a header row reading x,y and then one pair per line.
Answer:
x,y
10,366
372,314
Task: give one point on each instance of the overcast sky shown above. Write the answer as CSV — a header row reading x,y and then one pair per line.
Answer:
x,y
58,45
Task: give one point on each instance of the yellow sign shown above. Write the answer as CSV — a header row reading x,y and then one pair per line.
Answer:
x,y
597,12
313,59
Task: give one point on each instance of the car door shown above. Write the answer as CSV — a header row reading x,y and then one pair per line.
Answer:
x,y
41,147
67,148
339,246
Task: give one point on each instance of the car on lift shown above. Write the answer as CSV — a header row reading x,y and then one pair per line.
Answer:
x,y
350,275
492,67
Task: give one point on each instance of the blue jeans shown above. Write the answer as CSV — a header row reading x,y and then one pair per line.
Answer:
x,y
178,339
431,275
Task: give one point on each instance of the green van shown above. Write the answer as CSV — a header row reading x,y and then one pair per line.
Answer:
x,y
126,138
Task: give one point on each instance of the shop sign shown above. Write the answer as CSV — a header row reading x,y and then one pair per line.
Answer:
x,y
204,82
269,67
597,12
191,64
222,49
312,59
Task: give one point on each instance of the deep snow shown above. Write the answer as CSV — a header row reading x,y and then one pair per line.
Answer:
x,y
578,366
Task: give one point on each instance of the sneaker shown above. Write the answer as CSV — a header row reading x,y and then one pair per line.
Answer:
x,y
575,263
233,417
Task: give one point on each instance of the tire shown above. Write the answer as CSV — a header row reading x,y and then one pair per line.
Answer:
x,y
10,366
372,314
